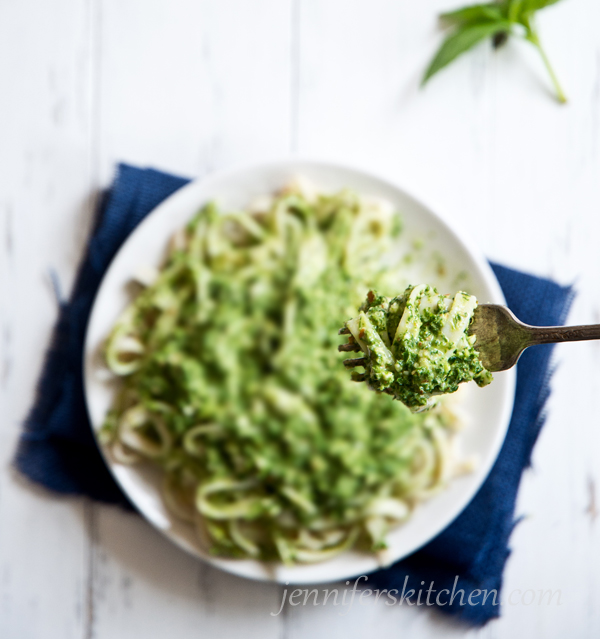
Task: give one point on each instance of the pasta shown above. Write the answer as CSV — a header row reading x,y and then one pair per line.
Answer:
x,y
231,382
416,345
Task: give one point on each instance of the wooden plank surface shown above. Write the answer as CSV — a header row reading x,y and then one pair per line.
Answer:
x,y
196,85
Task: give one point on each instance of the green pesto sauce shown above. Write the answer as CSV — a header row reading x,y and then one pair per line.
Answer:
x,y
232,384
416,344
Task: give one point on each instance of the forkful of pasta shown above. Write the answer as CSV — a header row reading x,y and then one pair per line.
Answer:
x,y
421,344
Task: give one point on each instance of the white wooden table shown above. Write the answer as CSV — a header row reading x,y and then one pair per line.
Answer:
x,y
194,85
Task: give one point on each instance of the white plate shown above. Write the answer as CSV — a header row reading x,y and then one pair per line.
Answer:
x,y
488,409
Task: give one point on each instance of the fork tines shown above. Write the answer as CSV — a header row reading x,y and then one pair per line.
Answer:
x,y
357,361
352,347
349,347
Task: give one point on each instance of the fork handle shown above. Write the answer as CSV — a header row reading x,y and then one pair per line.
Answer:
x,y
554,334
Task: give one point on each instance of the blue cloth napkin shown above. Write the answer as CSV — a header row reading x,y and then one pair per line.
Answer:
x,y
57,448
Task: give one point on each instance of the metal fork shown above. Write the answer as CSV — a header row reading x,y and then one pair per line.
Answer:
x,y
501,338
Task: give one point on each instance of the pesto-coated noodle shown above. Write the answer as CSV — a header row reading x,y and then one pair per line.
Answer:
x,y
417,345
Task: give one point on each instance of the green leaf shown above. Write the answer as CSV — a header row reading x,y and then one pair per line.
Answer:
x,y
534,5
475,14
461,41
522,10
496,19
515,8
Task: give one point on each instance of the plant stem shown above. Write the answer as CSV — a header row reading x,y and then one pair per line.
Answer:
x,y
533,38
